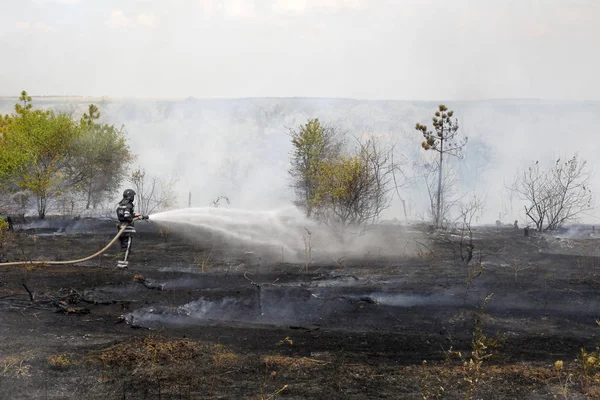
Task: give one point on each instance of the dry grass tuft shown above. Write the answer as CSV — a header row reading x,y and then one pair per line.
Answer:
x,y
13,366
530,373
293,362
166,367
60,362
152,351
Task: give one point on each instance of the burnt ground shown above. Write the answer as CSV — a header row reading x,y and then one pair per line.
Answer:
x,y
194,317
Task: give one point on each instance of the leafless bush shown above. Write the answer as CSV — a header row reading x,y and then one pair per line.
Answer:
x,y
460,241
555,195
466,248
468,211
217,202
153,193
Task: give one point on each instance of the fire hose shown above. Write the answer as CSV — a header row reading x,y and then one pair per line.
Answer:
x,y
14,263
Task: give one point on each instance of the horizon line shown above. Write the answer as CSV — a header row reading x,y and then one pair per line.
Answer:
x,y
167,98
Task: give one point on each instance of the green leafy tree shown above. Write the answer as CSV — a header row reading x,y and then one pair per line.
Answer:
x,y
98,160
4,122
444,140
34,149
313,143
8,160
91,116
11,160
26,107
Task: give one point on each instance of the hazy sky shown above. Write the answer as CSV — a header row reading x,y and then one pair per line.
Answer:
x,y
372,49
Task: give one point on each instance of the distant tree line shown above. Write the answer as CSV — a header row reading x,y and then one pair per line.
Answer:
x,y
53,161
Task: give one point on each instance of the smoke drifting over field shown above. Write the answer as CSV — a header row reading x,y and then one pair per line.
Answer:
x,y
240,148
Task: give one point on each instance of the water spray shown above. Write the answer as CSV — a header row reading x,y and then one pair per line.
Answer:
x,y
277,229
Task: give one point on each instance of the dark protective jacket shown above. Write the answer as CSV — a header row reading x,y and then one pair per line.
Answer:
x,y
126,214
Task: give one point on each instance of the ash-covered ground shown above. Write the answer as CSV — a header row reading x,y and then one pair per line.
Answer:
x,y
198,317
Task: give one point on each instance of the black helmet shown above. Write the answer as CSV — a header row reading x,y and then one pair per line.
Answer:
x,y
128,194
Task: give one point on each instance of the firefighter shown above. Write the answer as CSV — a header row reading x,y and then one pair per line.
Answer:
x,y
127,216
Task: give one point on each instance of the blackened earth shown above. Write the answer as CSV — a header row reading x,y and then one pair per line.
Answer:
x,y
196,317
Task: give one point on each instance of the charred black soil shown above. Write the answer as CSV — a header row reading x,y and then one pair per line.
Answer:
x,y
195,317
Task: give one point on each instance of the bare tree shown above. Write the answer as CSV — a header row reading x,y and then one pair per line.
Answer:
x,y
217,202
430,175
468,210
152,192
508,195
555,195
444,141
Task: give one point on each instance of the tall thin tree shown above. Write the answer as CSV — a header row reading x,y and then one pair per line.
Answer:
x,y
444,140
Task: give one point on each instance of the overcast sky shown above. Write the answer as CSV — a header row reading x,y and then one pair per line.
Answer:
x,y
370,49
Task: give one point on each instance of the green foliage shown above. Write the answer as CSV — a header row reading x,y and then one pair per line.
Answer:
x,y
91,116
26,107
3,227
352,190
313,144
10,160
98,159
38,142
337,181
6,236
310,141
4,122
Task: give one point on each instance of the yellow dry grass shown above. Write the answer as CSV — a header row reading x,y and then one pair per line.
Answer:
x,y
294,362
